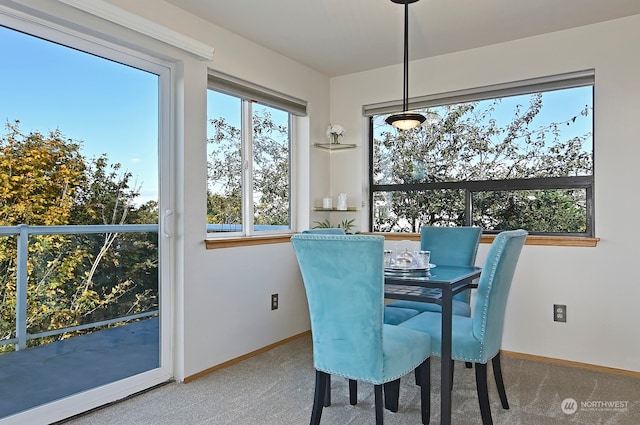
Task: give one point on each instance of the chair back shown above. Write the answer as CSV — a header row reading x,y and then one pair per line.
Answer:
x,y
452,246
493,290
325,231
344,282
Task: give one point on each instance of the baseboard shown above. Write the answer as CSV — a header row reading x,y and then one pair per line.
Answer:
x,y
513,354
244,357
570,363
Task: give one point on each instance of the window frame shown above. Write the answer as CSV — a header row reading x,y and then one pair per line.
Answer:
x,y
249,94
563,81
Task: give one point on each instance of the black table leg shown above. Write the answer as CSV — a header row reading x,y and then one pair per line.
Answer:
x,y
445,358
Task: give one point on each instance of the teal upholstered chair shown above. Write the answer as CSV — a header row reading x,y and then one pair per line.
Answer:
x,y
477,339
344,282
325,231
451,246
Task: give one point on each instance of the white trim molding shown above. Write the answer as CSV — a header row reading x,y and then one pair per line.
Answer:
x,y
102,9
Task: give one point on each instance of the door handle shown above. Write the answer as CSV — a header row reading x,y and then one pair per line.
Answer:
x,y
165,219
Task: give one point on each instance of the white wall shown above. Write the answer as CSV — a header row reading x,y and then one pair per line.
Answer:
x,y
600,286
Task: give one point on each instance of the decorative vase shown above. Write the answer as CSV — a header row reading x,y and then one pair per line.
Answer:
x,y
335,139
342,202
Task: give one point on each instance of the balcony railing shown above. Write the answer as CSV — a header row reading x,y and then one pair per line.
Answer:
x,y
23,232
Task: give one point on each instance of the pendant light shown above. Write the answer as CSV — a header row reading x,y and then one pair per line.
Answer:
x,y
405,120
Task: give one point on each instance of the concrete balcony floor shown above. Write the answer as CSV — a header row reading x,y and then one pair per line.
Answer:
x,y
39,375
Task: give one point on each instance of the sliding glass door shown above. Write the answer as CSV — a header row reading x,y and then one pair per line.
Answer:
x,y
82,320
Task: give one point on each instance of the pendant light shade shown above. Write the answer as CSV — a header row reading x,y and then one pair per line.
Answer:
x,y
405,120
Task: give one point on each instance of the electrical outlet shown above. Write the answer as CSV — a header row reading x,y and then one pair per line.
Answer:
x,y
274,301
559,313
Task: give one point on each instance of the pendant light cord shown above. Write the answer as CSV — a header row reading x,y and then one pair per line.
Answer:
x,y
405,93
405,120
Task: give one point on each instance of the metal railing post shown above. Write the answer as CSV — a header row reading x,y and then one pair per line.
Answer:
x,y
21,287
468,207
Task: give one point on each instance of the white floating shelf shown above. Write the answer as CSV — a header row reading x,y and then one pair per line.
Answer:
x,y
334,209
334,146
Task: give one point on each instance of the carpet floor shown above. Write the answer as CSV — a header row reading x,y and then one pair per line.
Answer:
x,y
276,388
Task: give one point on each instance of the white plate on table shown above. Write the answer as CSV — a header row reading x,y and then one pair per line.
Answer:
x,y
408,269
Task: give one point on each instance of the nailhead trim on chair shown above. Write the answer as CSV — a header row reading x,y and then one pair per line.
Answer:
x,y
355,378
485,311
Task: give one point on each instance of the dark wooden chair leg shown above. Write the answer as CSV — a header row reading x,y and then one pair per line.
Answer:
x,y
451,381
497,374
392,395
327,392
353,392
468,365
424,372
483,394
377,391
319,397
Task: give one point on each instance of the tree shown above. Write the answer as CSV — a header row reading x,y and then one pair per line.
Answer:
x,y
224,169
38,178
73,279
270,172
465,143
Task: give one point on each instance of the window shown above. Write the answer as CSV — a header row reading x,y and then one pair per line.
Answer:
x,y
248,158
516,155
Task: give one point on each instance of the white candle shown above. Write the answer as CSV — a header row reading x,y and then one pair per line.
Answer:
x,y
327,202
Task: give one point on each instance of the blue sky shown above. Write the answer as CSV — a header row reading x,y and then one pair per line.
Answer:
x,y
113,108
109,107
223,105
557,106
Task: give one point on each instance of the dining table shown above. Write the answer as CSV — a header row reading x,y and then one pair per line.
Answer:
x,y
434,284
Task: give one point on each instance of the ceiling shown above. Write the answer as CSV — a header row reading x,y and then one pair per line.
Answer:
x,y
338,37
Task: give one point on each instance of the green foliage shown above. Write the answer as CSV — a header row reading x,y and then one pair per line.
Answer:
x,y
224,169
270,172
72,279
542,210
465,143
38,177
347,225
325,224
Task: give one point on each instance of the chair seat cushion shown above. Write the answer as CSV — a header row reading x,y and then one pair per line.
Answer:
x,y
403,350
460,308
396,315
464,346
